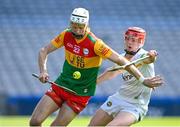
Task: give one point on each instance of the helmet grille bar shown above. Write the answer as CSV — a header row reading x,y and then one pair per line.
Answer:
x,y
79,16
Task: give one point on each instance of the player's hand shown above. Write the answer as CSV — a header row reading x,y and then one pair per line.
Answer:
x,y
43,77
152,54
153,82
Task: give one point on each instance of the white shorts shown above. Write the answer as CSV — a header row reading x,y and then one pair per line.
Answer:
x,y
114,104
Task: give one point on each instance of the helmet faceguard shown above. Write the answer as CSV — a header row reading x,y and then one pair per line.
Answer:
x,y
80,15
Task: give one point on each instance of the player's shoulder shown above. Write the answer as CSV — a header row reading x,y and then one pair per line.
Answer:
x,y
66,30
142,52
93,37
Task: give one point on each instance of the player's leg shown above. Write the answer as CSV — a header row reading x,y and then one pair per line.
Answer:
x,y
101,118
44,108
73,106
65,116
123,119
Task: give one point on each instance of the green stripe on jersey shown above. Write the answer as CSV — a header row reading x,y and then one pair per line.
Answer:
x,y
85,85
91,38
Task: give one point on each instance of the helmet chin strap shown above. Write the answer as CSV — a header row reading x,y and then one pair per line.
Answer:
x,y
131,52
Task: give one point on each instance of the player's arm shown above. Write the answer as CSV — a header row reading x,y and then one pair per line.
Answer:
x,y
42,59
107,75
149,82
56,43
120,60
105,51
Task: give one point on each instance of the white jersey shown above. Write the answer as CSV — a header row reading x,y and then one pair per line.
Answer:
x,y
132,96
131,89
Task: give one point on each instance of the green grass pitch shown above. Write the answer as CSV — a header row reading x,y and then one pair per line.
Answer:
x,y
83,121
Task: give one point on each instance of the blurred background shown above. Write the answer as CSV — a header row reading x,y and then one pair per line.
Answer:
x,y
27,25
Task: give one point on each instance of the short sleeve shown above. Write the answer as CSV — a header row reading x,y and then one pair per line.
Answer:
x,y
102,49
58,41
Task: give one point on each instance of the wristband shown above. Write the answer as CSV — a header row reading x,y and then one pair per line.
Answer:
x,y
141,79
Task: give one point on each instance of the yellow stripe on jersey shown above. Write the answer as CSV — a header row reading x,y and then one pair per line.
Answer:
x,y
59,40
102,49
82,62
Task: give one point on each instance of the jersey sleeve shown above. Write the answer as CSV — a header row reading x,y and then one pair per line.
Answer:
x,y
102,49
58,41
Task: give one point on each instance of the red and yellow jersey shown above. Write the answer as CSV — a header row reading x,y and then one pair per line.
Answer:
x,y
83,55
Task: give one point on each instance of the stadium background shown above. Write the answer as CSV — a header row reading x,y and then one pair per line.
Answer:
x,y
27,25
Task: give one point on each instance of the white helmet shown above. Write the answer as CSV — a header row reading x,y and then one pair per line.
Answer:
x,y
80,15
